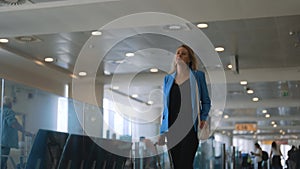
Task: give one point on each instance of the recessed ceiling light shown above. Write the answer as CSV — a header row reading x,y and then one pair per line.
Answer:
x,y
27,39
4,40
272,122
96,33
73,76
202,25
38,62
243,82
219,49
229,66
275,125
115,87
264,111
150,102
107,72
129,54
153,70
255,99
226,116
267,115
119,61
82,73
291,33
220,112
249,91
49,59
134,95
174,27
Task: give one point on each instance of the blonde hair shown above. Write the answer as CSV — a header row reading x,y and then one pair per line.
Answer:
x,y
193,65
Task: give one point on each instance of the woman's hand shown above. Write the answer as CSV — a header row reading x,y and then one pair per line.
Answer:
x,y
202,124
161,140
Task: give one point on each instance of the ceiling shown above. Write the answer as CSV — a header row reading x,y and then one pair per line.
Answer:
x,y
261,39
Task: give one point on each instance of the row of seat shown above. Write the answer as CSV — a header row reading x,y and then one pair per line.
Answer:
x,y
57,150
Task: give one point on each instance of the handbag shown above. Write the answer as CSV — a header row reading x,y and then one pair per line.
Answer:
x,y
204,133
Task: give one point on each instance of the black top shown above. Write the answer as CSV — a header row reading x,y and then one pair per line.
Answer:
x,y
180,103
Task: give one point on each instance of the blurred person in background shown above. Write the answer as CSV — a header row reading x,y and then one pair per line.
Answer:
x,y
10,128
258,155
292,158
275,156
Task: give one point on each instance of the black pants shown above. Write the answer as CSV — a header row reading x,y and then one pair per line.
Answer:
x,y
259,165
183,153
4,152
276,163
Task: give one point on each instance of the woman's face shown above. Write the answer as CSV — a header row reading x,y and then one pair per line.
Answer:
x,y
182,56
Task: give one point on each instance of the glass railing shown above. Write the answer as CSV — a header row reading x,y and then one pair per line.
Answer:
x,y
38,111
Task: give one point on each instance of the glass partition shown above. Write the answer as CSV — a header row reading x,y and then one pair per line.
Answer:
x,y
37,110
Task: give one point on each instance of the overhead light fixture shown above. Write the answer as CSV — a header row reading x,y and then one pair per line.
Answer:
x,y
273,122
49,59
220,112
243,82
153,70
73,76
219,49
249,91
264,111
229,66
134,95
255,99
202,25
107,72
267,115
96,33
226,116
115,87
119,61
129,54
275,125
174,27
150,102
27,39
38,62
4,40
82,74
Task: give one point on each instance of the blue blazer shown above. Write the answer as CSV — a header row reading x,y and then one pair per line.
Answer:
x,y
196,77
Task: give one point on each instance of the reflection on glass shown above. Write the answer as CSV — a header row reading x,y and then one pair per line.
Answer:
x,y
62,115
